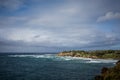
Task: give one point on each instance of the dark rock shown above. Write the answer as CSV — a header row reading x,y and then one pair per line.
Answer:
x,y
112,73
118,62
98,77
104,70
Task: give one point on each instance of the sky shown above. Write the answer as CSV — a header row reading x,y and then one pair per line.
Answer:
x,y
58,25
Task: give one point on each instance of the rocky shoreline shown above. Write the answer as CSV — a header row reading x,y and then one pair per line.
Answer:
x,y
70,54
112,73
98,54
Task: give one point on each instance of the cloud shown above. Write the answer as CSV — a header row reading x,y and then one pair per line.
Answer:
x,y
109,16
11,21
57,17
11,4
59,25
66,37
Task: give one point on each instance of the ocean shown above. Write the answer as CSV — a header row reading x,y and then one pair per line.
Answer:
x,y
49,67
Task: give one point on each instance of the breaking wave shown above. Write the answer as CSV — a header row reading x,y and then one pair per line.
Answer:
x,y
67,58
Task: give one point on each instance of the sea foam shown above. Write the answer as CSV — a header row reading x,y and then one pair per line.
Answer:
x,y
67,58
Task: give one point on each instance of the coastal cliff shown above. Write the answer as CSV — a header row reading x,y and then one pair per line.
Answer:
x,y
112,73
97,54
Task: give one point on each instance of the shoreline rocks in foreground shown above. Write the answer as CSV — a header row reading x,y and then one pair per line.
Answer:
x,y
112,73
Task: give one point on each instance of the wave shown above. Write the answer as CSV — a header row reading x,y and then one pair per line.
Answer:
x,y
67,58
101,61
32,56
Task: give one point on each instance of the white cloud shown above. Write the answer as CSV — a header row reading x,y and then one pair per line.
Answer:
x,y
109,16
60,16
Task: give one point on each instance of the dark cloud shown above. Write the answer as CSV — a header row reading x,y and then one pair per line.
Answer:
x,y
36,36
11,4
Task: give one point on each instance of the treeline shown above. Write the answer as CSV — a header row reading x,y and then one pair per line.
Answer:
x,y
112,73
114,54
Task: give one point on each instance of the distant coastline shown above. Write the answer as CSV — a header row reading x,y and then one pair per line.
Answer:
x,y
96,54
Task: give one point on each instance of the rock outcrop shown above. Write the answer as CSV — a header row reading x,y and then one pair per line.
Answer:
x,y
101,54
110,73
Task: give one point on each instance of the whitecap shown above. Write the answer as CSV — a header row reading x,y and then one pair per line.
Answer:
x,y
101,61
34,56
67,58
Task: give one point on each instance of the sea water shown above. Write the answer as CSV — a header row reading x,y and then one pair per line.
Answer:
x,y
50,67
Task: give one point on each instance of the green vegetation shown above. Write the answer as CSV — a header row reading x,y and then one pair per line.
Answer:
x,y
110,73
102,54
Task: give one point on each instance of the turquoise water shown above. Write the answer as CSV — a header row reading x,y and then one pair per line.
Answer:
x,y
49,67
